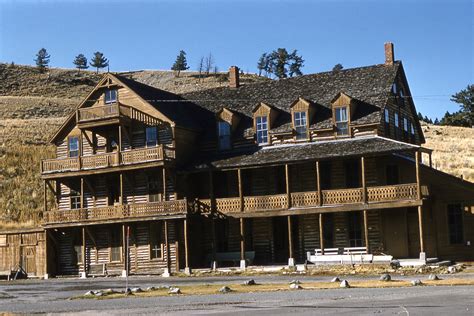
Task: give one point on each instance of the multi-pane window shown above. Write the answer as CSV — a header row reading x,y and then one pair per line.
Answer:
x,y
262,129
115,245
75,199
73,146
397,126
156,238
342,122
151,136
355,229
301,127
223,131
455,223
394,88
387,122
110,96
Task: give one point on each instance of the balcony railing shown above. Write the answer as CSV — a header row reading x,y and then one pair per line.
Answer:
x,y
131,157
116,212
378,194
94,113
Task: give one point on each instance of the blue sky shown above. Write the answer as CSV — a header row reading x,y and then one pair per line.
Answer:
x,y
434,39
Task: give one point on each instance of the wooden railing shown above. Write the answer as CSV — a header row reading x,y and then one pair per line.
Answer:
x,y
379,194
116,212
134,156
102,112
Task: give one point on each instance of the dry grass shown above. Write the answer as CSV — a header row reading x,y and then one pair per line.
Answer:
x,y
453,149
209,289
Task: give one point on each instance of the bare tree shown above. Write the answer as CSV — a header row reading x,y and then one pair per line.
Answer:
x,y
201,66
209,62
216,70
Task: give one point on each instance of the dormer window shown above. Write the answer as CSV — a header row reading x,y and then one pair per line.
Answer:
x,y
342,122
300,125
151,136
223,132
387,122
110,96
261,123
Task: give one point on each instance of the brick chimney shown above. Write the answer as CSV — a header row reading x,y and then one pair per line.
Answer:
x,y
234,77
389,55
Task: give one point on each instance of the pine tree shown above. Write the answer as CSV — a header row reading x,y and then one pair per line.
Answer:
x,y
180,63
280,62
42,59
81,62
436,121
262,63
296,64
337,67
420,116
99,61
465,99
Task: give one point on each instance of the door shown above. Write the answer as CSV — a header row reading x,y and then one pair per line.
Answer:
x,y
395,232
28,259
280,239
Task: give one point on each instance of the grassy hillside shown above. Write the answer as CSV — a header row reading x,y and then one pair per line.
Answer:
x,y
34,105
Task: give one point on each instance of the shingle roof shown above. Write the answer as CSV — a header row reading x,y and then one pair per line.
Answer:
x,y
367,146
369,85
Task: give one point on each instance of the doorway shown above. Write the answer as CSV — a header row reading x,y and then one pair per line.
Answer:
x,y
280,239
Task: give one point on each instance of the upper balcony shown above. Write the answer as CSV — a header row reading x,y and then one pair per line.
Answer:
x,y
126,159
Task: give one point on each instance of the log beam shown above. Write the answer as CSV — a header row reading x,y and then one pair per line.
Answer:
x,y
318,184
420,225
241,191
366,230
321,233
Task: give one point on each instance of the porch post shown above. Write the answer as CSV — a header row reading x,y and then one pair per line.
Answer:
x,y
420,207
84,273
82,193
417,170
420,225
187,268
321,233
46,274
211,191
318,184
364,185
164,183
241,191
121,189
287,178
242,245
124,251
167,271
291,259
366,231
214,262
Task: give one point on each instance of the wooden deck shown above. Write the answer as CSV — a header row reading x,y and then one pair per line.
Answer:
x,y
126,211
106,160
313,199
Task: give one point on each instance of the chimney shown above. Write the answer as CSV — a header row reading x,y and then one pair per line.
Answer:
x,y
389,55
234,77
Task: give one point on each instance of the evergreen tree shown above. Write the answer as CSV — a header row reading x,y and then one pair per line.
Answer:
x,y
296,64
420,116
262,63
99,61
180,63
280,63
436,121
81,62
465,99
337,67
42,59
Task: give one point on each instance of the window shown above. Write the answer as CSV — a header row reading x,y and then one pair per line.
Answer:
x,y
115,245
300,124
387,122
342,121
397,126
73,146
401,98
156,238
391,173
154,189
387,116
405,128
223,132
110,96
75,199
412,129
355,229
262,129
455,224
394,88
151,136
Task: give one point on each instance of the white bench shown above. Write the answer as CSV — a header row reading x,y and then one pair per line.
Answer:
x,y
232,256
342,251
6,273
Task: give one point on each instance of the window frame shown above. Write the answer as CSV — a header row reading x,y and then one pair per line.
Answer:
x,y
346,121
387,122
113,248
158,241
156,143
106,95
460,234
74,199
227,137
396,119
69,147
300,123
152,181
264,131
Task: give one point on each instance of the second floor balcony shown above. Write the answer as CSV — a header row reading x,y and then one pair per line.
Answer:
x,y
132,157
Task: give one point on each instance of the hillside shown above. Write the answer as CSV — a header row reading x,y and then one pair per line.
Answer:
x,y
33,106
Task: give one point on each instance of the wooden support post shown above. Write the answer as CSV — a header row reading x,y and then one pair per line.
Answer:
x,y
321,233
186,246
364,184
46,257
213,227
120,137
124,249
84,268
366,231
318,184
241,191
291,260
420,225
45,197
82,192
287,179
121,188
242,240
417,166
211,190
164,184
167,245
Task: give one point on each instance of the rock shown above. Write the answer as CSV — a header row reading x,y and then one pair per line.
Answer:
x,y
225,289
136,290
150,288
174,290
336,279
89,293
99,293
385,277
295,282
416,282
108,291
452,269
295,286
250,282
433,277
395,264
345,284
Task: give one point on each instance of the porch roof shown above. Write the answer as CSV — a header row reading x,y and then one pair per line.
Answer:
x,y
294,153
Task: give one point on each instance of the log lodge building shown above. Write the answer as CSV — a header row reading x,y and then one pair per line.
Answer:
x,y
253,174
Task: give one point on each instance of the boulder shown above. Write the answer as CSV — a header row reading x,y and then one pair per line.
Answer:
x,y
174,290
136,290
295,286
345,284
385,277
416,282
89,293
336,279
433,277
250,282
395,264
225,289
108,291
452,269
295,282
150,288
